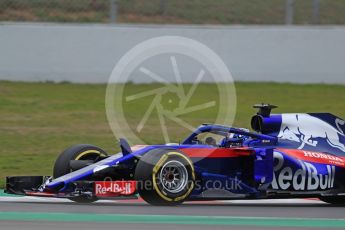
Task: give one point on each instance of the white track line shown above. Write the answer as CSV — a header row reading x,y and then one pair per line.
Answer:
x,y
32,199
62,200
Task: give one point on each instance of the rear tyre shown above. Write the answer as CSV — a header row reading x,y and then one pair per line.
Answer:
x,y
165,177
77,152
335,200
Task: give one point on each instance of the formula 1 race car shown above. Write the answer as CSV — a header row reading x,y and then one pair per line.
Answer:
x,y
289,156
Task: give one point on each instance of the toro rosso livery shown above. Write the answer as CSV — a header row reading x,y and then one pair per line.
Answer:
x,y
289,156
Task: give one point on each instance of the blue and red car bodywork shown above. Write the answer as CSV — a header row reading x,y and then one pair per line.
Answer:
x,y
289,156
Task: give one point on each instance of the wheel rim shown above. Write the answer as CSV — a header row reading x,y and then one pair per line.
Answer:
x,y
173,176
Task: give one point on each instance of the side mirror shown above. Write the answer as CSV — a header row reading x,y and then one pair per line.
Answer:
x,y
126,149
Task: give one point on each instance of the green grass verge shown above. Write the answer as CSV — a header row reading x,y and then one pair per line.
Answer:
x,y
175,11
39,120
3,194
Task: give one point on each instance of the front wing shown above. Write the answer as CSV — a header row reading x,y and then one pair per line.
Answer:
x,y
34,186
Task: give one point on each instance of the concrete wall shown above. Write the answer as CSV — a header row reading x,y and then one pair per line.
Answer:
x,y
88,53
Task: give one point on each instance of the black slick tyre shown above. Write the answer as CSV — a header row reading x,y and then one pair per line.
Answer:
x,y
165,177
77,152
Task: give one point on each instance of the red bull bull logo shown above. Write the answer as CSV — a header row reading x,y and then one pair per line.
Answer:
x,y
309,130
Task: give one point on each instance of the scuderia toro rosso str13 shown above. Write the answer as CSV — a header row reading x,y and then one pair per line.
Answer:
x,y
295,155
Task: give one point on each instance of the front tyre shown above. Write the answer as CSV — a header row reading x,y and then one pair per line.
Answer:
x,y
82,152
165,177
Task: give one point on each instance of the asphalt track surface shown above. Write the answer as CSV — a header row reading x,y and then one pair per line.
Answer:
x,y
42,213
